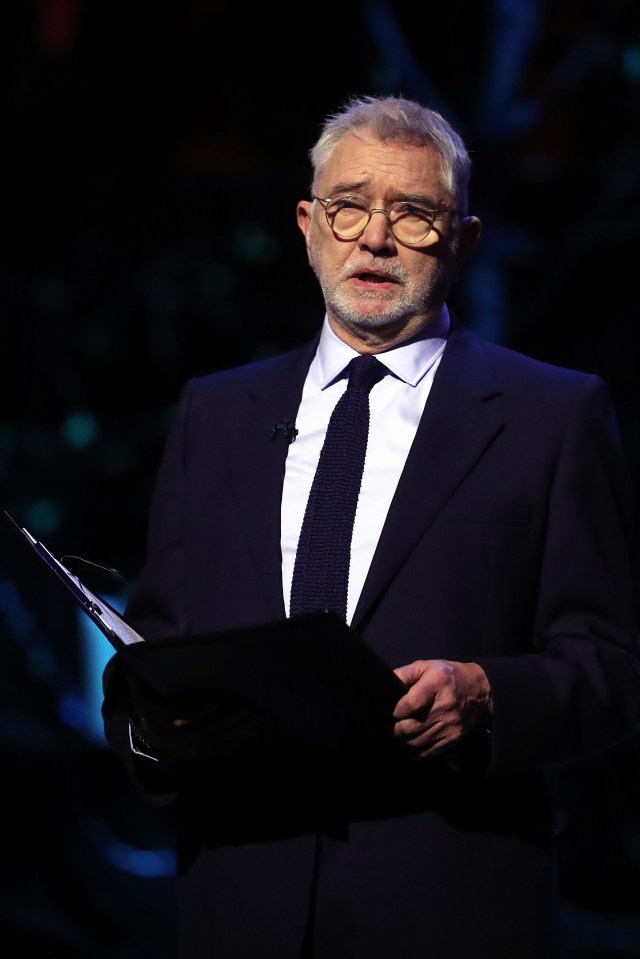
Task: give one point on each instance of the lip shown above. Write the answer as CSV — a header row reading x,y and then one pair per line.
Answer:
x,y
373,278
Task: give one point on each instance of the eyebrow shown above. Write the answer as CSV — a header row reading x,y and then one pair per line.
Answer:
x,y
346,188
423,199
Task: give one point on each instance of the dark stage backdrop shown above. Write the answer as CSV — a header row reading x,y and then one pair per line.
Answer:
x,y
152,157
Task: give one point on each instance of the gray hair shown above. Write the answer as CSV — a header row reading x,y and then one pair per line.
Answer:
x,y
403,121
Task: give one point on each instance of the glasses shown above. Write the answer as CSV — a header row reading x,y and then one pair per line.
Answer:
x,y
409,223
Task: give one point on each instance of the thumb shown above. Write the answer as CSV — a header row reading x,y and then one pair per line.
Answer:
x,y
410,673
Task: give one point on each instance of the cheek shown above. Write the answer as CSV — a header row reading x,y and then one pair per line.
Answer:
x,y
434,260
425,276
307,238
325,254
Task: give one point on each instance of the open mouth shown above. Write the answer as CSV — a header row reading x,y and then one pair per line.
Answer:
x,y
375,278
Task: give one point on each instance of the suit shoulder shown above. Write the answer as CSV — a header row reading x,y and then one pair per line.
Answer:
x,y
249,376
528,372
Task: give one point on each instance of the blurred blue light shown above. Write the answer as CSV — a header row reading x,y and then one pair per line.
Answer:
x,y
41,662
147,863
96,651
17,616
73,711
140,862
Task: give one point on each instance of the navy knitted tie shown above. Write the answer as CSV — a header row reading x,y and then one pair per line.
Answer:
x,y
321,569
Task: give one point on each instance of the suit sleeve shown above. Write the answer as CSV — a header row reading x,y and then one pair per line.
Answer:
x,y
578,692
156,608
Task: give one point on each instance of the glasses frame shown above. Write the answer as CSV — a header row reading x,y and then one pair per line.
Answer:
x,y
326,201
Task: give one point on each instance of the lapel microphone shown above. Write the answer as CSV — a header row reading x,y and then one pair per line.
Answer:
x,y
285,428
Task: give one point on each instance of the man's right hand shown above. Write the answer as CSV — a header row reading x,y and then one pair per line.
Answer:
x,y
188,727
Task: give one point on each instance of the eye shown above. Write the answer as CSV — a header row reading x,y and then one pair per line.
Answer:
x,y
412,210
348,203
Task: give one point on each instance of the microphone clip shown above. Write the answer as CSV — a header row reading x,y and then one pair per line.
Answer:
x,y
285,428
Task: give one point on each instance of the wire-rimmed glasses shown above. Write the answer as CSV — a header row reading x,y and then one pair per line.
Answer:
x,y
349,216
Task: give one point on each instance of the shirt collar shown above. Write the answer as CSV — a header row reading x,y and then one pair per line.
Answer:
x,y
409,361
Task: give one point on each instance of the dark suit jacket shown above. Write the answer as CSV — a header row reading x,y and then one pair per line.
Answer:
x,y
507,543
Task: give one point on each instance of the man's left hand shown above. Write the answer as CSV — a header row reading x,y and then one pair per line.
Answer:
x,y
444,702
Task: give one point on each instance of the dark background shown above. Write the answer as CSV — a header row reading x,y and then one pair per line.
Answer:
x,y
152,156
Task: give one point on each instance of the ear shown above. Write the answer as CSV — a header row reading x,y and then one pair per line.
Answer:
x,y
469,238
303,213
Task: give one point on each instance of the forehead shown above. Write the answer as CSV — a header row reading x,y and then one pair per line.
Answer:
x,y
382,168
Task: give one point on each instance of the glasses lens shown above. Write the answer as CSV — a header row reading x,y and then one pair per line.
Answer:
x,y
409,223
347,216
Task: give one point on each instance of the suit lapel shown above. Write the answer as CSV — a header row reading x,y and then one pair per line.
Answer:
x,y
459,423
272,400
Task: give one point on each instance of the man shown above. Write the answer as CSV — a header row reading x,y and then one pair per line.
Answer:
x,y
489,566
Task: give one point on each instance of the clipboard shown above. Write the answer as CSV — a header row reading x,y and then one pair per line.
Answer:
x,y
104,616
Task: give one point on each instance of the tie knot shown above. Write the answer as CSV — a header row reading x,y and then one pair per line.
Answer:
x,y
365,371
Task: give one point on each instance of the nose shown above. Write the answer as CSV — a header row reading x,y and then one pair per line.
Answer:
x,y
377,234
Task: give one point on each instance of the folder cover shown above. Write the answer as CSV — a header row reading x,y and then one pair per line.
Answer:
x,y
312,673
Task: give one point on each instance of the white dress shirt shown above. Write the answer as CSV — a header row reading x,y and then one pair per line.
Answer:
x,y
396,405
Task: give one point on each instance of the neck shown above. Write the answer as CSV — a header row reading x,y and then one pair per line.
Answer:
x,y
377,340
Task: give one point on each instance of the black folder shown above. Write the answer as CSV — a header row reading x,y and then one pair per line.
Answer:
x,y
313,672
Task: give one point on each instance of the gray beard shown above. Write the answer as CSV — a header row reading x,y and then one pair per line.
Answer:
x,y
401,312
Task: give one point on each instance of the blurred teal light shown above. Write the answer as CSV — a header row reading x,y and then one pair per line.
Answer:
x,y
43,516
117,459
217,281
7,441
79,430
631,63
98,343
54,295
253,243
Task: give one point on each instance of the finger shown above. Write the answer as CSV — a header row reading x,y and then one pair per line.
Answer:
x,y
410,673
411,726
430,743
416,703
